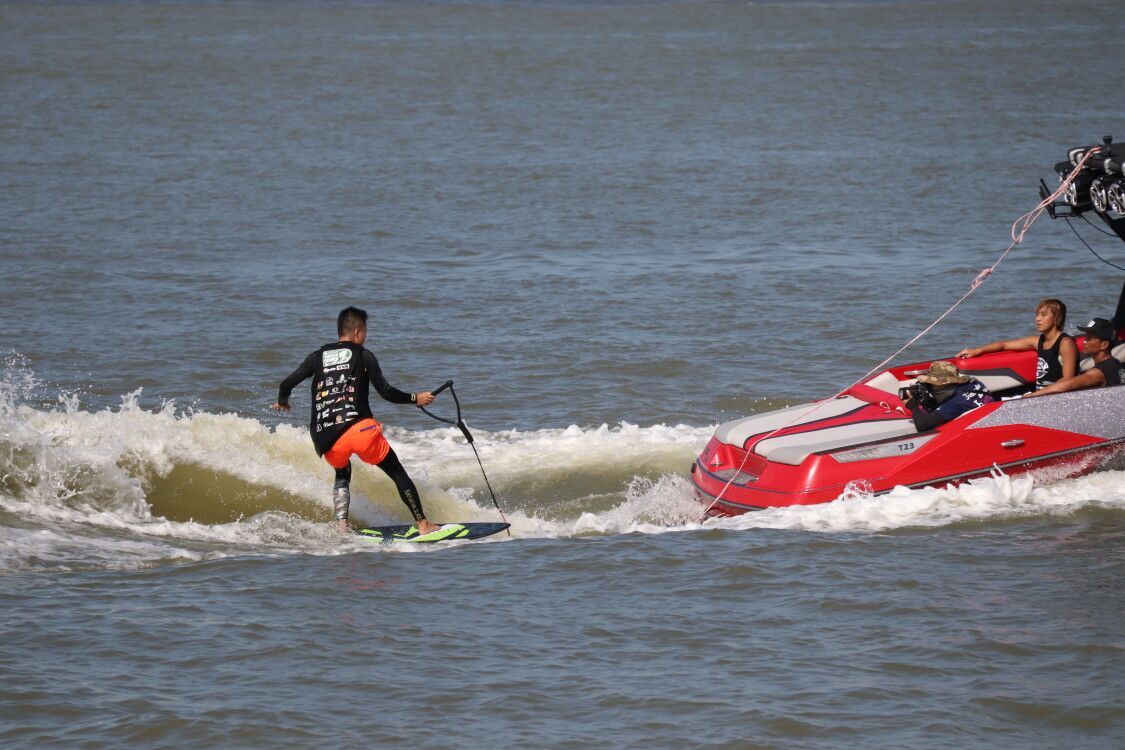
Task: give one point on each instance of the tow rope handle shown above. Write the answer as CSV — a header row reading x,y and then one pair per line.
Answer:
x,y
459,423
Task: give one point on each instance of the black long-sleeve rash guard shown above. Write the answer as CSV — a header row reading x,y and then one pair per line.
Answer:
x,y
342,373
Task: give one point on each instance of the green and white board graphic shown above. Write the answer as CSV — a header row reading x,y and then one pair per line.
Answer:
x,y
446,533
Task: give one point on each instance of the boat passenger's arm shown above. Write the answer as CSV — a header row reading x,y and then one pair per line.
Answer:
x,y
1092,378
1011,345
927,420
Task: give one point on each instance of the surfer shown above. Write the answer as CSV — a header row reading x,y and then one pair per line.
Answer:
x,y
340,419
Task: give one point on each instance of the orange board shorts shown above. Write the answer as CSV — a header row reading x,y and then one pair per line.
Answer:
x,y
364,439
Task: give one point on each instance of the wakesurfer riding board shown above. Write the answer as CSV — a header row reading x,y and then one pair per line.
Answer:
x,y
446,533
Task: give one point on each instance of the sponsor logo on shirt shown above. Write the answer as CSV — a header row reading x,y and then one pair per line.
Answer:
x,y
333,357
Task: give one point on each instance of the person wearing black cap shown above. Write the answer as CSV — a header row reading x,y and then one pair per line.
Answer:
x,y
1100,338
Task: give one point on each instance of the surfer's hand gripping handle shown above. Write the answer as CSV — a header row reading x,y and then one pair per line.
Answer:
x,y
433,394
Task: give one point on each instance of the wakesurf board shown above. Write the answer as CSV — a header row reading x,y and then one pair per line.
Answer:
x,y
446,533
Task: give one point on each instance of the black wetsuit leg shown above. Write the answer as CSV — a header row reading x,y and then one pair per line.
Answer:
x,y
344,476
406,489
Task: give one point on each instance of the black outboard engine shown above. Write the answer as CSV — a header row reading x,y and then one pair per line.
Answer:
x,y
1099,187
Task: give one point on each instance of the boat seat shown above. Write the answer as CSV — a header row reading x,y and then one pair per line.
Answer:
x,y
888,383
998,383
737,432
793,449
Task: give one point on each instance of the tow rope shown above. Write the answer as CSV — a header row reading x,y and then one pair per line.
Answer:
x,y
459,423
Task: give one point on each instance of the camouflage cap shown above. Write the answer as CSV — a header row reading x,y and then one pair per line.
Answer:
x,y
942,373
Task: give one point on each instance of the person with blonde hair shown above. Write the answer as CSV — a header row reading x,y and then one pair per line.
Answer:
x,y
1058,354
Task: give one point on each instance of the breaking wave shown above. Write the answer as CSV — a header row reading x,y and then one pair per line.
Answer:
x,y
135,486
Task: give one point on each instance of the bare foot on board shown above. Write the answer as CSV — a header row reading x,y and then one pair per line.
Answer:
x,y
427,527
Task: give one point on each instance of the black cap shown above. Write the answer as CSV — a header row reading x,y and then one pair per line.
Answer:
x,y
1100,328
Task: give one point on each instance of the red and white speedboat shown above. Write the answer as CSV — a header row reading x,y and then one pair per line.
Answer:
x,y
865,440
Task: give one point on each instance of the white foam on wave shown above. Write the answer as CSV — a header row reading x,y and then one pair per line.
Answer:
x,y
667,505
65,548
443,455
999,497
650,507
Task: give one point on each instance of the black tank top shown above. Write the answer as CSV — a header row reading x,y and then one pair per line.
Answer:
x,y
1049,367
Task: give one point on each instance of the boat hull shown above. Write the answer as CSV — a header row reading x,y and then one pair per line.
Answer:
x,y
1063,435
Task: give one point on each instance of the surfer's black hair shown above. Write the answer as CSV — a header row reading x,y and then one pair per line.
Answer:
x,y
349,319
